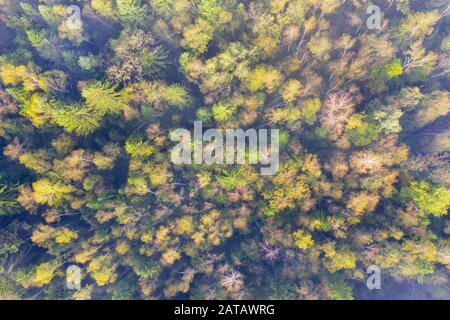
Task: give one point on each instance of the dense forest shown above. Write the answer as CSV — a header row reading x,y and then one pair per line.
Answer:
x,y
91,90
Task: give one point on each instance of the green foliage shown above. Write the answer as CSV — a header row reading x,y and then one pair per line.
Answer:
x,y
8,203
388,119
231,179
197,36
223,111
204,114
380,75
176,95
303,239
77,118
87,177
338,289
131,10
394,69
433,200
138,148
209,9
361,132
51,193
103,98
89,62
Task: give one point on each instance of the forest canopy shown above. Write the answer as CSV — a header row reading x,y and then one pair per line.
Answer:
x,y
91,91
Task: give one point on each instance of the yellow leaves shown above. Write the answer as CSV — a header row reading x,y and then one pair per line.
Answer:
x,y
211,228
42,234
311,165
225,17
277,6
199,238
159,175
21,74
303,239
104,8
399,155
419,24
75,166
169,257
267,45
396,233
35,109
320,47
288,187
64,236
241,223
36,161
162,235
147,237
426,250
102,278
317,224
204,179
63,144
363,202
11,74
292,90
309,109
345,42
417,258
137,185
45,273
184,225
84,293
283,198
122,214
366,162
338,259
355,121
338,166
310,24
210,218
51,193
329,6
264,77
26,199
85,255
384,183
197,36
59,10
102,161
281,115
122,247
102,270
